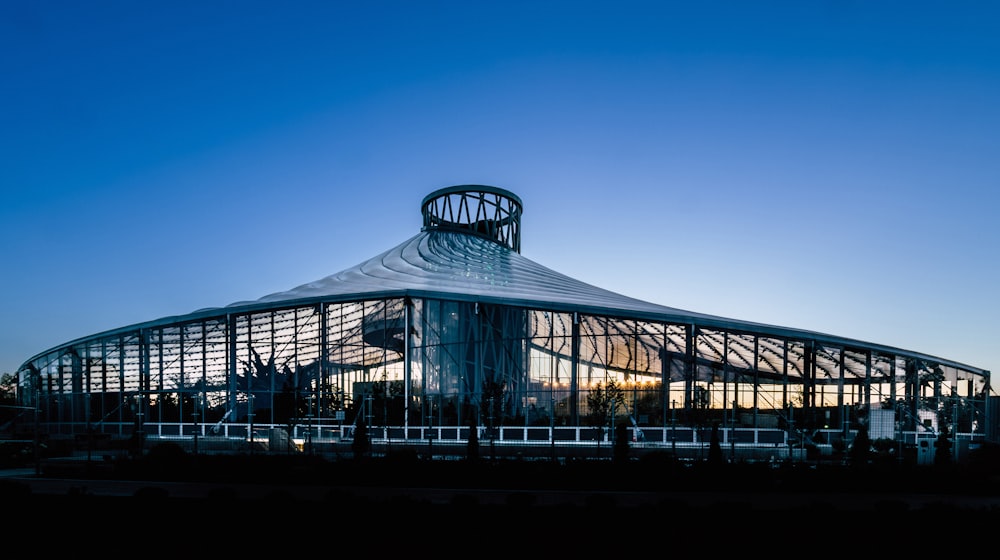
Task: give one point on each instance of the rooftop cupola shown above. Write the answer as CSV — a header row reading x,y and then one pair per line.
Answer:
x,y
481,210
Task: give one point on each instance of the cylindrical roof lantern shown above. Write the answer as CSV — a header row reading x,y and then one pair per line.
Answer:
x,y
488,212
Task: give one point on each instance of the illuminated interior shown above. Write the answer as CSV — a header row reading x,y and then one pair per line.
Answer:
x,y
454,329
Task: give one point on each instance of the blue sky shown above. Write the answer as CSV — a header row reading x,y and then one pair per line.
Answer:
x,y
830,166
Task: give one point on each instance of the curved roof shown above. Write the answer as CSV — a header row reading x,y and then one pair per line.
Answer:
x,y
455,257
458,266
453,265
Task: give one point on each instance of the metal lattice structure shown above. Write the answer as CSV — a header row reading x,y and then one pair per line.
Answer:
x,y
454,330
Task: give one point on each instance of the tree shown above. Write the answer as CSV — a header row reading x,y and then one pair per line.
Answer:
x,y
361,444
388,400
8,389
942,448
622,445
603,401
8,396
493,395
473,444
492,403
861,448
715,447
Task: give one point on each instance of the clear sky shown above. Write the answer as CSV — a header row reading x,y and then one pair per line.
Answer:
x,y
824,165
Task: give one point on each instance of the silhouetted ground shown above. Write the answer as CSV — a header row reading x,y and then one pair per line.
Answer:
x,y
406,503
652,473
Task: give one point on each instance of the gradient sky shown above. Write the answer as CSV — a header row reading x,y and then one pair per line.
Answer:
x,y
829,165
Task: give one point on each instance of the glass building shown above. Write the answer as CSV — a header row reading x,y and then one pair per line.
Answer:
x,y
453,330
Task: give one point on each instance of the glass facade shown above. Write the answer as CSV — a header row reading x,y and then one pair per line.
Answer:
x,y
418,366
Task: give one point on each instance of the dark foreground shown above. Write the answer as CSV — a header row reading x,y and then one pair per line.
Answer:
x,y
407,504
